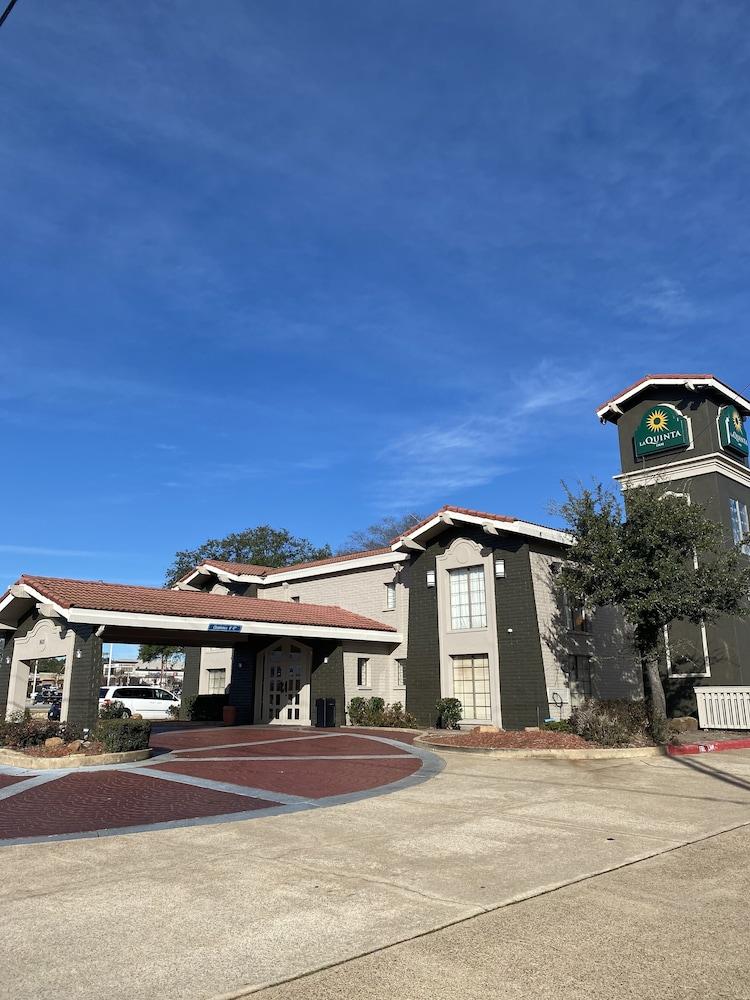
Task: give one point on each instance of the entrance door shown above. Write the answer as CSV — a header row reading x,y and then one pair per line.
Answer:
x,y
288,684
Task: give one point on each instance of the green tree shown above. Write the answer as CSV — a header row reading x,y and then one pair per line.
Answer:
x,y
261,546
50,665
379,534
168,655
661,560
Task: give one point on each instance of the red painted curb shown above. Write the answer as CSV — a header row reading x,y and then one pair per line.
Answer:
x,y
680,750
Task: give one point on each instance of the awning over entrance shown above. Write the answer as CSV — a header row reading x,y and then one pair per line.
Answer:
x,y
51,616
116,607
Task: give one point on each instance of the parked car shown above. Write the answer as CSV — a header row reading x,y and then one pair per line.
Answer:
x,y
140,699
54,713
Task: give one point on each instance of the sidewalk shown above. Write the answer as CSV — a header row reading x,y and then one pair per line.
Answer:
x,y
205,911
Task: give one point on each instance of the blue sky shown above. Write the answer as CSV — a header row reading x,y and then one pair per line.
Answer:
x,y
309,263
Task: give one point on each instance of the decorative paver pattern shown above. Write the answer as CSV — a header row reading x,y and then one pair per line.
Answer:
x,y
209,774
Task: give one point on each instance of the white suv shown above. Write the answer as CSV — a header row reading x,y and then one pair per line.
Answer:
x,y
139,699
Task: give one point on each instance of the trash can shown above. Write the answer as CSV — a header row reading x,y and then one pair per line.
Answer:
x,y
325,713
229,714
330,713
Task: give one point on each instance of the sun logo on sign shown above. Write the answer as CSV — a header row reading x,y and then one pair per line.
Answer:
x,y
737,422
657,421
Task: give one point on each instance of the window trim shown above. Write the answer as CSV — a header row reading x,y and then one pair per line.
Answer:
x,y
474,656
694,673
210,672
739,507
400,682
569,609
363,673
480,567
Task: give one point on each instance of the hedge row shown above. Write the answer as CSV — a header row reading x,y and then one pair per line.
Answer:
x,y
117,735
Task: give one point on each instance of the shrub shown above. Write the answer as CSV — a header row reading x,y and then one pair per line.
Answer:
x,y
112,710
203,707
32,733
563,726
610,723
374,712
173,711
357,711
396,717
449,713
122,735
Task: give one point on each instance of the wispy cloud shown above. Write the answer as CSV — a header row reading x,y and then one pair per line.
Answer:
x,y
662,301
35,550
480,442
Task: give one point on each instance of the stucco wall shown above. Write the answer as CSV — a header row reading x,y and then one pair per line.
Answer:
x,y
382,669
614,670
363,592
214,659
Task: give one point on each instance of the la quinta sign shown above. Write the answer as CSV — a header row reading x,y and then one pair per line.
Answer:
x,y
732,433
661,428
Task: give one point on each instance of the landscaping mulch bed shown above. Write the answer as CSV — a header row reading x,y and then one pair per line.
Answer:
x,y
61,751
512,740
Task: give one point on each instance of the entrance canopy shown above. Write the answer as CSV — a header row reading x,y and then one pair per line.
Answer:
x,y
119,612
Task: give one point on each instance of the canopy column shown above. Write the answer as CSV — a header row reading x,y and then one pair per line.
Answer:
x,y
83,678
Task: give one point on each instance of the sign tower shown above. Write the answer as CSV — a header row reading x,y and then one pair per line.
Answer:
x,y
686,434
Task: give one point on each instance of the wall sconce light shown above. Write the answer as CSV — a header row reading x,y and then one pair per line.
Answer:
x,y
500,567
430,577
78,654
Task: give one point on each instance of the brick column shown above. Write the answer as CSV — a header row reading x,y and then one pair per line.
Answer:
x,y
6,654
85,677
190,678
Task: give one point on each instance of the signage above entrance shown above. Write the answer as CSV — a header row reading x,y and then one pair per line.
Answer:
x,y
221,627
661,428
732,433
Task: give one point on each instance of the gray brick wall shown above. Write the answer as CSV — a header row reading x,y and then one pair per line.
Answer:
x,y
85,677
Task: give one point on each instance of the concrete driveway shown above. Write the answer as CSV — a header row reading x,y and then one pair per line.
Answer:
x,y
220,910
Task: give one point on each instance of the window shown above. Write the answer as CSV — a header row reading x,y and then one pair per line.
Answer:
x,y
740,525
468,605
363,672
576,616
217,680
135,691
390,596
400,673
471,685
579,678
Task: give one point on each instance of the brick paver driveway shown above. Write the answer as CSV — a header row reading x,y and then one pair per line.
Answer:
x,y
209,776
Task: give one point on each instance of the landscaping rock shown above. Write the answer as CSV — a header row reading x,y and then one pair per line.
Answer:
x,y
683,724
485,729
54,741
75,745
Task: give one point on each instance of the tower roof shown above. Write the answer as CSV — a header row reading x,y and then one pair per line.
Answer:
x,y
612,409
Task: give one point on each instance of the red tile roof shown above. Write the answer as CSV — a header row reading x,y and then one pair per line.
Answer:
x,y
99,596
250,569
676,377
449,508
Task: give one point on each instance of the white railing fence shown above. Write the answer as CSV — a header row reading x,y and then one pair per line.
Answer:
x,y
723,707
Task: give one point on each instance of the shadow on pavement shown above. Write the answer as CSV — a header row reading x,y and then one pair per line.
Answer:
x,y
713,772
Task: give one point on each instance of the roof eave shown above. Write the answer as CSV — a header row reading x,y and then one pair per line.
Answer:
x,y
490,525
611,410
